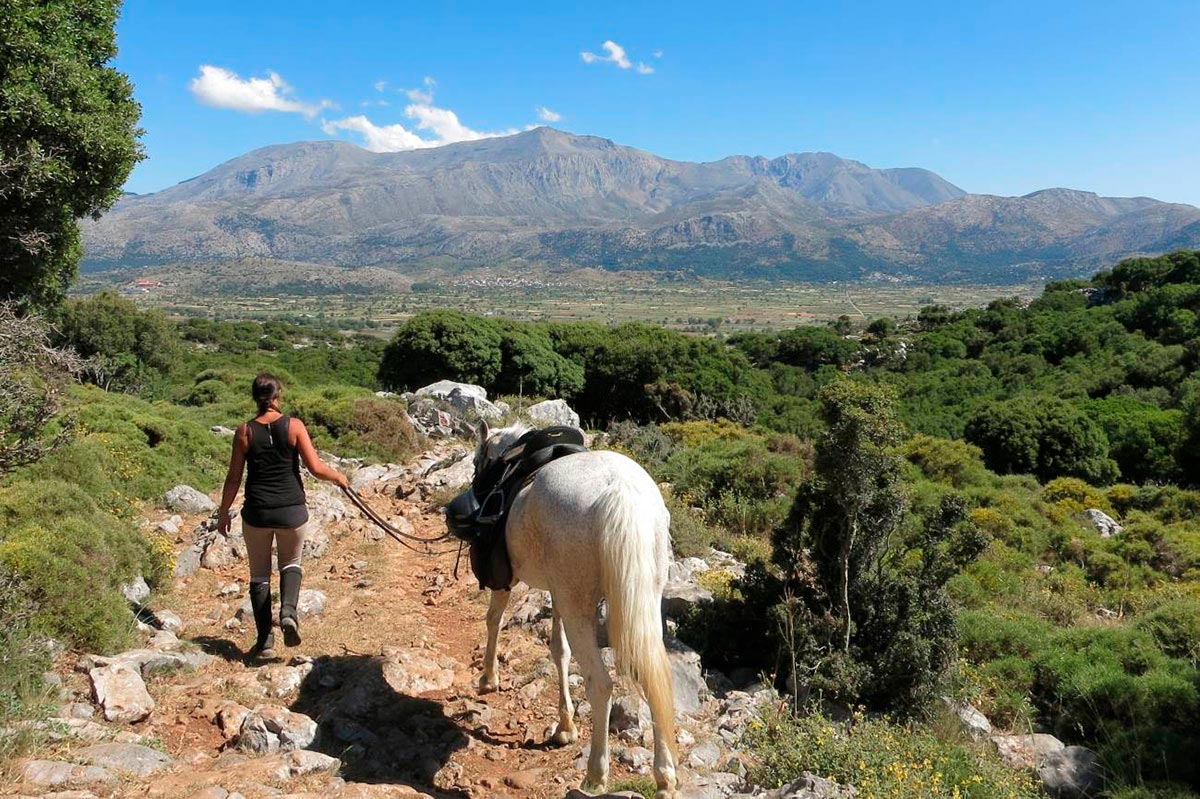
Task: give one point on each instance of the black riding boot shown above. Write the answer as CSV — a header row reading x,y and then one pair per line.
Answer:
x,y
260,602
289,595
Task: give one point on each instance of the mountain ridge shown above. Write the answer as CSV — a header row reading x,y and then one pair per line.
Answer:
x,y
555,198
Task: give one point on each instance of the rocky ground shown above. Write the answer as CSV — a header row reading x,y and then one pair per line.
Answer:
x,y
379,700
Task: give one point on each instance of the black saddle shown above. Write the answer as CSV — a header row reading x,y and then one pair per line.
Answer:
x,y
479,514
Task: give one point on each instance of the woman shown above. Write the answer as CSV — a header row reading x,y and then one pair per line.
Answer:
x,y
271,447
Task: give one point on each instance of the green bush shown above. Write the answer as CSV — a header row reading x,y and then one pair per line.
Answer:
x,y
72,557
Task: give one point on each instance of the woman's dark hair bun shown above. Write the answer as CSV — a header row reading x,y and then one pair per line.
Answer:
x,y
266,388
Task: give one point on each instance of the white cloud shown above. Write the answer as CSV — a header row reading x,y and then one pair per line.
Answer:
x,y
617,56
222,88
547,115
422,96
378,138
442,123
419,96
380,85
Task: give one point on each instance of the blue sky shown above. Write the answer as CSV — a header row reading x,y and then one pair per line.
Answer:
x,y
1003,98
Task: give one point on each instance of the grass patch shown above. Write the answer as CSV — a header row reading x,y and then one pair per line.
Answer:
x,y
883,759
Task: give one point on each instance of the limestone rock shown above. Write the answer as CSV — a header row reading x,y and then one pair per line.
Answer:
x,y
444,388
54,773
282,680
687,676
229,718
136,591
637,758
414,671
529,608
125,759
1073,772
430,420
1026,751
187,562
299,762
685,569
163,640
705,755
185,499
974,723
453,475
680,597
311,602
629,718
268,728
809,786
169,620
1106,525
466,399
121,693
552,412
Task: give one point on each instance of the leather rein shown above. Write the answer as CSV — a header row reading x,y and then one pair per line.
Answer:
x,y
406,540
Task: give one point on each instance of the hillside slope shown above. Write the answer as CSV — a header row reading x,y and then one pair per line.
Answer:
x,y
555,198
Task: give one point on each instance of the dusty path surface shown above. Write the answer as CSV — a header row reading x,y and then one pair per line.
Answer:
x,y
386,673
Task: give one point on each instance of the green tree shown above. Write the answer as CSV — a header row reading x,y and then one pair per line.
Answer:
x,y
128,348
844,515
813,347
68,138
865,612
442,345
1043,436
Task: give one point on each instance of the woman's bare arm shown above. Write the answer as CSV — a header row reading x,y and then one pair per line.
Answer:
x,y
233,478
312,461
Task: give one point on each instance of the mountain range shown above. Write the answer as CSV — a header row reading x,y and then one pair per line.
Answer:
x,y
549,198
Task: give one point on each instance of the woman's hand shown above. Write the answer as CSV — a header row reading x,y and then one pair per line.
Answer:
x,y
224,520
341,480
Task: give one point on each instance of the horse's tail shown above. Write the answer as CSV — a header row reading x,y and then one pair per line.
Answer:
x,y
632,583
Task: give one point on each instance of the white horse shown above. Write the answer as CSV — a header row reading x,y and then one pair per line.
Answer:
x,y
593,526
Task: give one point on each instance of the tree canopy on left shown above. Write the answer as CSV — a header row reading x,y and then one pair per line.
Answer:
x,y
68,138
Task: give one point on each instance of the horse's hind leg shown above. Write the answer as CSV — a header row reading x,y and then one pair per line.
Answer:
x,y
580,627
565,732
488,681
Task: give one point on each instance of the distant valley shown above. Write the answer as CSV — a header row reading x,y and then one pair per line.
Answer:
x,y
546,199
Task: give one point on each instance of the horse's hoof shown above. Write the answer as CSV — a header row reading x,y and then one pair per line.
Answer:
x,y
592,787
563,737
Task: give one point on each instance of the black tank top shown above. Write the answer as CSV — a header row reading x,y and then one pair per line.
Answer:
x,y
274,492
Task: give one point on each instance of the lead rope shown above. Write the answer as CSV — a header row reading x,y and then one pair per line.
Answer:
x,y
401,537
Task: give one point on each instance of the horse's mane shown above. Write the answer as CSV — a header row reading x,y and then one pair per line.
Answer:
x,y
497,441
507,436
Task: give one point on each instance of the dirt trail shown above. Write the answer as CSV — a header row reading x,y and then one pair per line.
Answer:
x,y
387,670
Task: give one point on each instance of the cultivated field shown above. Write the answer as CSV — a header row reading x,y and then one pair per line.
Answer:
x,y
694,305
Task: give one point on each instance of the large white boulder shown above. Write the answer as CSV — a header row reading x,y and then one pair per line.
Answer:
x,y
553,412
466,399
442,389
185,499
